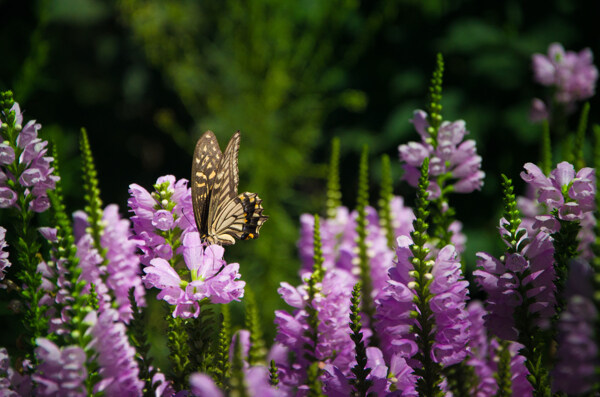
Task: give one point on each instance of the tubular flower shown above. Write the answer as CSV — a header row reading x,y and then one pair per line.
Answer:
x,y
338,238
449,157
167,209
209,277
534,218
4,262
114,277
573,75
481,356
23,162
571,194
61,372
577,350
448,304
527,274
115,356
334,345
484,358
123,267
449,307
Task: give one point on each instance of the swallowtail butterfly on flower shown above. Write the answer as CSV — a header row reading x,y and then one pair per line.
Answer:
x,y
221,214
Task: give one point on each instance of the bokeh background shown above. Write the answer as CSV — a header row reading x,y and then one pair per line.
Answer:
x,y
147,77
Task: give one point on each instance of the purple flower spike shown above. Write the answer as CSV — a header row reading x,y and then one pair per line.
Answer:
x,y
332,304
572,194
34,169
502,280
61,372
449,291
168,208
123,268
449,308
4,262
573,75
450,156
338,238
116,357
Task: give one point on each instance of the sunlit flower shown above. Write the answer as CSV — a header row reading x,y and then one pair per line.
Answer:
x,y
449,157
209,277
24,161
332,304
449,290
572,194
532,268
168,208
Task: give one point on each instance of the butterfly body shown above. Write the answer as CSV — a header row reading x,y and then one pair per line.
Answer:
x,y
221,213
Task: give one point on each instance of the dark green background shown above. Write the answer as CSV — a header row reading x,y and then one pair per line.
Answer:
x,y
146,78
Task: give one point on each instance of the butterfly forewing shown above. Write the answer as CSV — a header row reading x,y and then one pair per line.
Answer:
x,y
205,167
226,182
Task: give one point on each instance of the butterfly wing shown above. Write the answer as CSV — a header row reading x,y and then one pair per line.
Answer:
x,y
226,182
231,215
205,167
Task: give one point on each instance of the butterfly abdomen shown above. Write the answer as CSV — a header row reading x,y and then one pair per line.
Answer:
x,y
254,218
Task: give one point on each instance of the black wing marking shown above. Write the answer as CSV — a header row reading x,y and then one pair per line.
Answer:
x,y
205,167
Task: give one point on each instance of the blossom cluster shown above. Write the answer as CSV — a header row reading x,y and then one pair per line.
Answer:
x,y
24,167
450,157
573,75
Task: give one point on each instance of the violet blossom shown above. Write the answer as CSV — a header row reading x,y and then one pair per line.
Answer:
x,y
449,290
339,246
571,194
481,356
4,261
123,267
168,208
334,345
577,350
61,371
449,157
572,74
531,209
114,277
484,358
26,155
209,277
115,356
530,270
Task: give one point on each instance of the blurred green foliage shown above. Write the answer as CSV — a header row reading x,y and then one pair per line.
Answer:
x,y
147,77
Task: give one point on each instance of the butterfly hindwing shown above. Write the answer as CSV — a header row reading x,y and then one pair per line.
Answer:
x,y
240,217
205,166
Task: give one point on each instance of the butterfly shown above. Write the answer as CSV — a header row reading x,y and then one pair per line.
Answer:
x,y
221,214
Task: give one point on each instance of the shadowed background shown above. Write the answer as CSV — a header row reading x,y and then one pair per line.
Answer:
x,y
147,78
